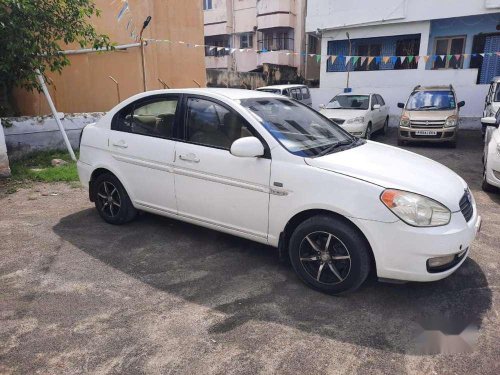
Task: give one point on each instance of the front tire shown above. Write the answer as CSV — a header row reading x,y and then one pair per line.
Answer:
x,y
112,201
368,131
385,129
329,254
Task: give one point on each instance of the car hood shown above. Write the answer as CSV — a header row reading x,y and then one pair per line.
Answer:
x,y
392,167
430,115
344,114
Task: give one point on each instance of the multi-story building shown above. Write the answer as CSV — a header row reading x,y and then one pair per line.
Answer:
x,y
398,44
254,32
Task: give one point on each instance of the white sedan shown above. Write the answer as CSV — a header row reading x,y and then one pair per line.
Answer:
x,y
359,114
270,169
491,157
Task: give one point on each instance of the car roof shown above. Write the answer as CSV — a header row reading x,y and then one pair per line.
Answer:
x,y
356,93
434,88
280,87
232,94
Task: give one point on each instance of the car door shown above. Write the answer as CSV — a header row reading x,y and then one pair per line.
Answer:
x,y
212,185
384,110
142,142
374,113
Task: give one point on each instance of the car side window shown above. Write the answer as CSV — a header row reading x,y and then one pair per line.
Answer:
x,y
305,93
374,100
296,94
380,100
154,118
211,124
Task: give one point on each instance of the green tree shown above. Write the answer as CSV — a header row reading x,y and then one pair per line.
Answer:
x,y
33,32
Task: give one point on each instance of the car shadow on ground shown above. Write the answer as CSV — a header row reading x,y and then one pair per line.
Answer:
x,y
246,281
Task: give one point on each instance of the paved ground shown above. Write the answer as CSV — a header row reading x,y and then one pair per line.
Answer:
x,y
160,296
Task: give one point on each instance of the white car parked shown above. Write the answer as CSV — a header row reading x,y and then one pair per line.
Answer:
x,y
270,169
359,114
491,156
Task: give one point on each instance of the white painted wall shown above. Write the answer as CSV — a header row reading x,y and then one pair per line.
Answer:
x,y
396,85
28,134
4,159
332,14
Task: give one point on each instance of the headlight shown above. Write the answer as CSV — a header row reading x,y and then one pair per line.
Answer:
x,y
405,121
415,209
451,121
356,120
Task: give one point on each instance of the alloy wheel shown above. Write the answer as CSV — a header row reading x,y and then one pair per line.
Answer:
x,y
109,199
368,133
325,258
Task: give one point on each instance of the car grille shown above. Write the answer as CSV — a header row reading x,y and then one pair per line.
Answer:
x,y
466,206
431,124
338,120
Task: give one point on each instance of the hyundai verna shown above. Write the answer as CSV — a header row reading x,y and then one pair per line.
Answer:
x,y
270,169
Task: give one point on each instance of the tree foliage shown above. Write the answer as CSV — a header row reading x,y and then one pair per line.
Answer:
x,y
33,32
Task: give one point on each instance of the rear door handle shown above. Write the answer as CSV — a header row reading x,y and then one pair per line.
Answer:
x,y
120,144
191,158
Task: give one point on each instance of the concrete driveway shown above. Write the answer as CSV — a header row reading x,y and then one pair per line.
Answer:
x,y
160,296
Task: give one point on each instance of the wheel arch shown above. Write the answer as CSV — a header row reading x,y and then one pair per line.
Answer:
x,y
98,171
300,217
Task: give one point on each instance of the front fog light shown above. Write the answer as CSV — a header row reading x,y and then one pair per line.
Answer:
x,y
440,261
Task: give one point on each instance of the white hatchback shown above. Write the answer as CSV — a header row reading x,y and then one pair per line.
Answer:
x,y
359,114
270,169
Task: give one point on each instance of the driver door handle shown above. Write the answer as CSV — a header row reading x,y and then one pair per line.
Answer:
x,y
120,144
190,158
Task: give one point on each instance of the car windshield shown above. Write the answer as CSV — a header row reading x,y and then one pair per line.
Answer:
x,y
349,102
431,100
298,128
497,93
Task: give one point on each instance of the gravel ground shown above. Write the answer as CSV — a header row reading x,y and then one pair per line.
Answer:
x,y
160,296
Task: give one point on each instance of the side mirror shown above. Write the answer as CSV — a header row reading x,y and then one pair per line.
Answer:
x,y
376,106
489,121
247,147
401,105
461,104
321,106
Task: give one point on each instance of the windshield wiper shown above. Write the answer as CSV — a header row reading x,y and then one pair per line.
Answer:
x,y
335,145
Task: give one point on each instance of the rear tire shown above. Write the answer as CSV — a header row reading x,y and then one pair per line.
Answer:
x,y
329,254
112,201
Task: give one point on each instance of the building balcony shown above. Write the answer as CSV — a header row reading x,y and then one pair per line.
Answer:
x,y
218,62
217,21
275,13
276,58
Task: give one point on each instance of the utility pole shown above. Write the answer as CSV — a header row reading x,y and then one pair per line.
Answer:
x,y
145,24
347,89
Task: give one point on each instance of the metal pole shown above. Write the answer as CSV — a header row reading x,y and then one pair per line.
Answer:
x,y
117,88
350,56
146,23
54,112
195,81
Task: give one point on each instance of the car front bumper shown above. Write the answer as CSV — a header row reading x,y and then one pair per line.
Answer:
x,y
357,129
493,167
442,134
401,251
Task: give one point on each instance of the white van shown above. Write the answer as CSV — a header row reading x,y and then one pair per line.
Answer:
x,y
492,101
297,92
